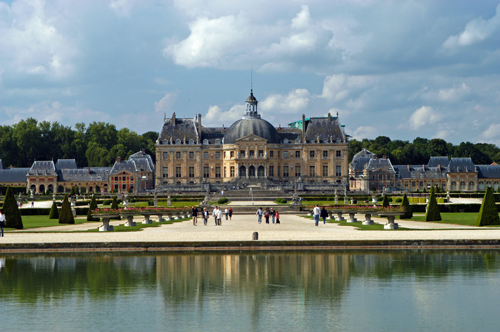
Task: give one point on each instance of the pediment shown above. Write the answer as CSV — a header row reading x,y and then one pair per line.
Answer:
x,y
251,138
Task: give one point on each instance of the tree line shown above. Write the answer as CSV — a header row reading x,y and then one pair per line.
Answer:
x,y
420,150
97,144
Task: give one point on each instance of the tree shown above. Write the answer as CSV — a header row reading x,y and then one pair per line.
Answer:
x,y
92,206
432,213
66,215
385,202
488,214
54,211
114,205
11,211
405,204
73,191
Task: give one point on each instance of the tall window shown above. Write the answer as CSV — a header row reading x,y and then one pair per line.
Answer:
x,y
178,172
261,153
285,171
205,154
285,154
205,172
325,170
271,154
278,174
165,172
242,153
338,171
297,154
251,153
178,155
339,153
231,170
224,171
191,172
191,154
312,171
231,154
217,154
165,155
311,154
325,154
217,172
271,170
297,171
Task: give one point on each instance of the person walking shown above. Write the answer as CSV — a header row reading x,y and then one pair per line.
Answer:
x,y
226,212
219,217
259,215
3,221
32,204
194,211
276,213
214,213
316,213
272,215
266,215
230,213
204,214
323,215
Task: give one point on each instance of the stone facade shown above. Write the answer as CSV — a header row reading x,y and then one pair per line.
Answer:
x,y
367,173
311,150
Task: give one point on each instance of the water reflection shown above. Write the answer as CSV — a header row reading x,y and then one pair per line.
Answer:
x,y
257,290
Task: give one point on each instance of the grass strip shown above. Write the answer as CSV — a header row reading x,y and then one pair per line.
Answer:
x,y
457,218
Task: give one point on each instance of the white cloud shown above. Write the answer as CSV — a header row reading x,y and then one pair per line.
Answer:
x,y
303,19
339,86
453,94
425,115
216,117
475,31
124,7
295,101
165,104
364,132
492,131
35,44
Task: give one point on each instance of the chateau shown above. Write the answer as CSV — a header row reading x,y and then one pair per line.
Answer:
x,y
367,172
309,153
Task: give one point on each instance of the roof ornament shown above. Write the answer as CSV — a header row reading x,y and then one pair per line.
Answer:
x,y
171,140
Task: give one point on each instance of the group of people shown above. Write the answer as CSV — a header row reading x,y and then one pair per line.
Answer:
x,y
268,213
319,212
216,213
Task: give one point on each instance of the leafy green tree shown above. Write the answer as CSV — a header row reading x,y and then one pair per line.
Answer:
x,y
114,203
54,211
432,213
11,211
488,214
405,204
66,215
92,206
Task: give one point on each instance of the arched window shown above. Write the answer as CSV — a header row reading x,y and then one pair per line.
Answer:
x,y
312,141
471,185
462,185
453,186
177,141
165,141
205,141
297,140
217,141
191,141
285,141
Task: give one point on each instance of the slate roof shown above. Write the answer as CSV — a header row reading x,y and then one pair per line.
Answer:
x,y
66,163
124,165
360,159
461,165
1,164
327,129
488,171
84,174
13,174
143,161
251,126
419,172
178,129
435,161
43,168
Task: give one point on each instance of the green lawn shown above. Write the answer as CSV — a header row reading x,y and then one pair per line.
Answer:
x,y
161,203
459,218
43,221
359,225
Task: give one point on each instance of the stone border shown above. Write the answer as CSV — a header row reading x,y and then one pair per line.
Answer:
x,y
249,245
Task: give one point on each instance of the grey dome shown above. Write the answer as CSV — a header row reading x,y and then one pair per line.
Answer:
x,y
249,126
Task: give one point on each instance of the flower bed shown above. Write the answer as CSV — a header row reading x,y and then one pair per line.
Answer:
x,y
139,210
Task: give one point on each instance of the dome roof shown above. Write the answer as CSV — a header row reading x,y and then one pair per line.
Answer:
x,y
249,126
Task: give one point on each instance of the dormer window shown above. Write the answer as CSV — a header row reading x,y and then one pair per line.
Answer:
x,y
297,140
205,141
191,142
285,141
217,141
178,141
165,141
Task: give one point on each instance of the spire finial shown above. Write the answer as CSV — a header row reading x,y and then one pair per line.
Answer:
x,y
251,79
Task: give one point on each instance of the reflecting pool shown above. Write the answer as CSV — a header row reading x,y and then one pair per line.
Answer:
x,y
391,290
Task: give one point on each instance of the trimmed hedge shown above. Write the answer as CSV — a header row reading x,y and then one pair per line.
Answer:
x,y
281,200
432,213
222,200
54,211
11,211
488,215
66,216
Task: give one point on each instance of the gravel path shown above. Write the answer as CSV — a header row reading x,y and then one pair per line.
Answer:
x,y
242,226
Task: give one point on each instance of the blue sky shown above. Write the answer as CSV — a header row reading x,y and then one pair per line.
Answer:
x,y
402,69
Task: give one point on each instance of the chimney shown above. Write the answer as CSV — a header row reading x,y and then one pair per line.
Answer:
x,y
303,128
329,117
409,170
423,168
384,157
374,157
89,170
173,119
439,167
199,126
118,159
143,151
